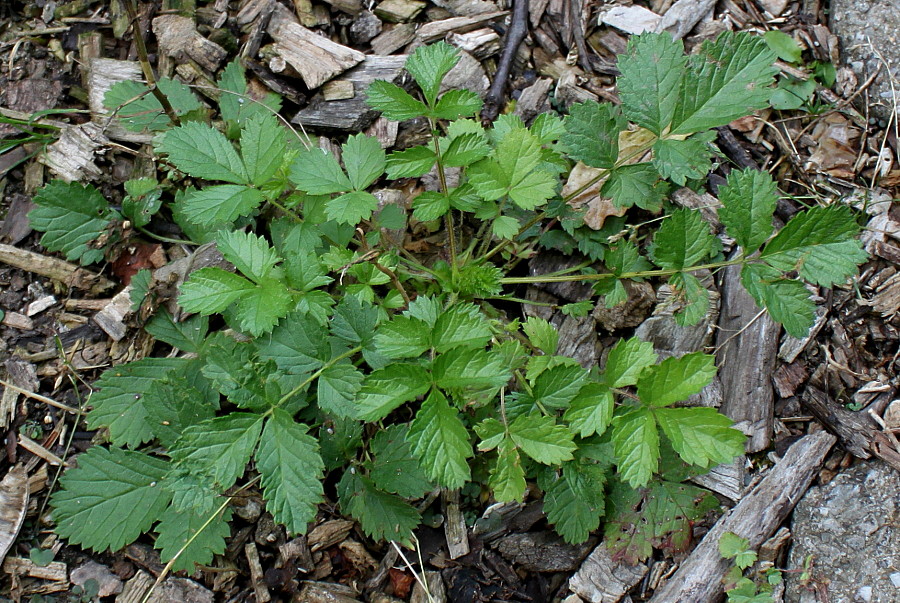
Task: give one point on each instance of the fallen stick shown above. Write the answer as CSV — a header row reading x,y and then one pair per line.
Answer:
x,y
70,275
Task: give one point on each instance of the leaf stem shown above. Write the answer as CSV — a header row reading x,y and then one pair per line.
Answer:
x,y
567,278
442,179
317,374
145,64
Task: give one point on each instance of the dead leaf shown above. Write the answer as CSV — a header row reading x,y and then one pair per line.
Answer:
x,y
401,582
13,503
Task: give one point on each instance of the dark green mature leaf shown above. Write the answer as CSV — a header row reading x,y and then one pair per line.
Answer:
x,y
354,321
429,64
465,149
541,438
389,387
250,254
636,443
682,160
701,436
637,184
291,468
394,102
410,163
692,296
457,103
364,159
786,300
337,388
682,241
440,442
187,335
541,334
820,243
298,345
592,133
220,204
382,516
396,468
202,151
71,215
727,79
748,202
507,479
110,499
627,360
462,325
262,147
351,208
142,201
652,68
138,109
556,387
219,448
211,290
462,368
234,103
676,379
591,410
183,397
403,337
430,205
236,373
120,404
192,531
574,502
317,172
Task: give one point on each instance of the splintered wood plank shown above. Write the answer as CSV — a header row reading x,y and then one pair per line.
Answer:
x,y
351,113
72,156
178,38
316,58
601,578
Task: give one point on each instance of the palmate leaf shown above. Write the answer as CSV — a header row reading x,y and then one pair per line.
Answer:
x,y
652,68
71,215
429,64
262,147
396,468
676,379
682,241
202,151
700,436
192,531
219,448
440,442
748,203
291,471
110,498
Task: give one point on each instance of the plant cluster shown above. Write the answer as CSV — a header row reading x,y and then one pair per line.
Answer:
x,y
346,355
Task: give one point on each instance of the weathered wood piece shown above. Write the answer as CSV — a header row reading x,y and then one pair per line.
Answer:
x,y
728,480
257,576
399,11
316,58
480,43
103,75
455,530
856,430
436,30
55,571
543,551
534,100
756,517
631,19
72,156
13,504
601,579
351,113
179,39
747,340
393,39
466,8
70,275
682,16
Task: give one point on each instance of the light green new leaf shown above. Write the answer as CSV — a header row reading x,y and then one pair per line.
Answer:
x,y
317,172
541,334
547,127
463,368
429,64
541,438
396,468
488,178
219,448
457,103
394,102
701,436
627,360
211,290
120,403
783,45
202,151
426,308
430,205
507,479
505,227
727,79
676,379
732,546
786,301
636,184
682,160
262,147
71,215
491,431
440,442
403,337
652,68
820,243
337,388
262,307
224,203
517,154
192,531
591,410
557,386
291,468
533,190
382,516
748,202
410,163
389,387
682,241
465,149
463,325
351,208
592,133
364,159
110,499
250,254
636,444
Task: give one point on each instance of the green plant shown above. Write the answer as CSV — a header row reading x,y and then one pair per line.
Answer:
x,y
793,93
390,369
741,589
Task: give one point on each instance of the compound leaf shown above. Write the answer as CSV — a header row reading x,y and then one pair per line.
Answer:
x,y
262,307
440,442
682,241
786,300
317,172
627,360
700,436
652,68
382,516
351,208
224,203
682,160
202,151
139,110
574,501
676,379
591,410
250,254
462,368
337,388
192,531
592,133
71,215
463,325
457,103
298,345
541,438
507,479
429,64
410,163
465,149
748,202
636,184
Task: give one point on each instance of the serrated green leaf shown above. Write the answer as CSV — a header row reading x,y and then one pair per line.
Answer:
x,y
410,163
636,184
574,502
682,160
187,335
403,337
457,103
652,68
636,444
364,159
541,438
693,297
792,93
727,79
591,410
701,436
507,479
786,301
592,133
236,373
488,179
505,227
389,387
541,334
491,431
676,379
429,64
317,172
351,208
533,190
219,448
556,387
190,492
291,469
465,149
547,127
250,254
430,205
426,308
396,468
820,243
143,200
262,147
262,307
305,272
337,388
144,111
462,325
440,442
222,204
110,498
354,321
120,404
235,105
182,397
748,202
682,241
394,102
732,546
461,368
783,45
71,215
200,535
298,345
211,290
202,151
627,360
382,516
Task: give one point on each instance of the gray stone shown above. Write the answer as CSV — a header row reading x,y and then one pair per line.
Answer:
x,y
850,527
864,27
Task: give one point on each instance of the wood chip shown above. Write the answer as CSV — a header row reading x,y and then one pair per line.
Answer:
x,y
435,30
39,305
172,589
631,19
393,39
72,156
17,321
179,39
55,571
69,274
39,451
455,530
316,58
682,16
399,11
256,573
103,74
327,592
328,533
601,579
